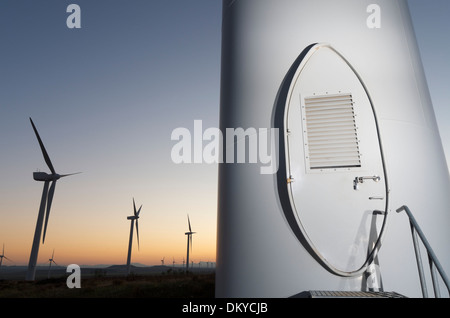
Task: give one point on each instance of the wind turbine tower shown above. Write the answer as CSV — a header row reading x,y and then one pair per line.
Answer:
x,y
3,256
51,260
133,218
46,202
189,243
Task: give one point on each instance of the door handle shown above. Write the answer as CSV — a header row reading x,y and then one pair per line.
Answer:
x,y
359,180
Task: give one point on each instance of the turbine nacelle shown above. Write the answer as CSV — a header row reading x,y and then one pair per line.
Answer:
x,y
133,217
43,176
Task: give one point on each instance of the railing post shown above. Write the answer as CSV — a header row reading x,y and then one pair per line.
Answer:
x,y
434,262
423,283
437,292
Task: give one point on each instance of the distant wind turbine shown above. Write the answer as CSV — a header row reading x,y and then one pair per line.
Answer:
x,y
162,261
46,200
51,260
189,243
133,218
3,256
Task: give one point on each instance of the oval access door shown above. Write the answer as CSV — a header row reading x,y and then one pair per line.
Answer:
x,y
334,164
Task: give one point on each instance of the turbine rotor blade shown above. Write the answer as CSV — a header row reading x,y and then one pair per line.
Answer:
x,y
70,174
189,222
134,207
49,205
44,200
44,152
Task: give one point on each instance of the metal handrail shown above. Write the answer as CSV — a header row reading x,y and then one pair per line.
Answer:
x,y
432,259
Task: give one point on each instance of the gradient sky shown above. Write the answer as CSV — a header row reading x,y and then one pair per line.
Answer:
x,y
105,99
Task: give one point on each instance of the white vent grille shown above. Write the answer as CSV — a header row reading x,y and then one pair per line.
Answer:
x,y
331,132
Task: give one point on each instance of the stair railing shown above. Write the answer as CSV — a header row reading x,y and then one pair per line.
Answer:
x,y
432,259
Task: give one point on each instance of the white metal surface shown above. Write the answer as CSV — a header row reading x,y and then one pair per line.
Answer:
x,y
261,251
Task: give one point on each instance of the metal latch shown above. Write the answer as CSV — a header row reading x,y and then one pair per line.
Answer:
x,y
359,180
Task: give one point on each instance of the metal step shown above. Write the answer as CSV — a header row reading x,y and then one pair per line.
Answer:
x,y
346,294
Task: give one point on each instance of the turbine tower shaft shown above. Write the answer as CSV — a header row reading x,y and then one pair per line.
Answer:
x,y
31,272
130,247
187,256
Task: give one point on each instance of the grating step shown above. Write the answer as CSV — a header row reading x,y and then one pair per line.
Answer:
x,y
347,294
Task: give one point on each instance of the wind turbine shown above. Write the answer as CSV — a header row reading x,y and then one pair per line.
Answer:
x,y
133,218
3,256
46,201
189,242
51,260
162,261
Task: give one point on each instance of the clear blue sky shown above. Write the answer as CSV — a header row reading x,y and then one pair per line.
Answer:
x,y
432,25
105,99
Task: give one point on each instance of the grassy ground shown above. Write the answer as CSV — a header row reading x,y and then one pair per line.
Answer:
x,y
134,286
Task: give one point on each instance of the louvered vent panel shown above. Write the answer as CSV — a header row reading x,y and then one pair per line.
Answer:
x,y
331,132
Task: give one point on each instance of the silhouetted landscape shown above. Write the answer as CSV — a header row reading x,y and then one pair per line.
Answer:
x,y
109,282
